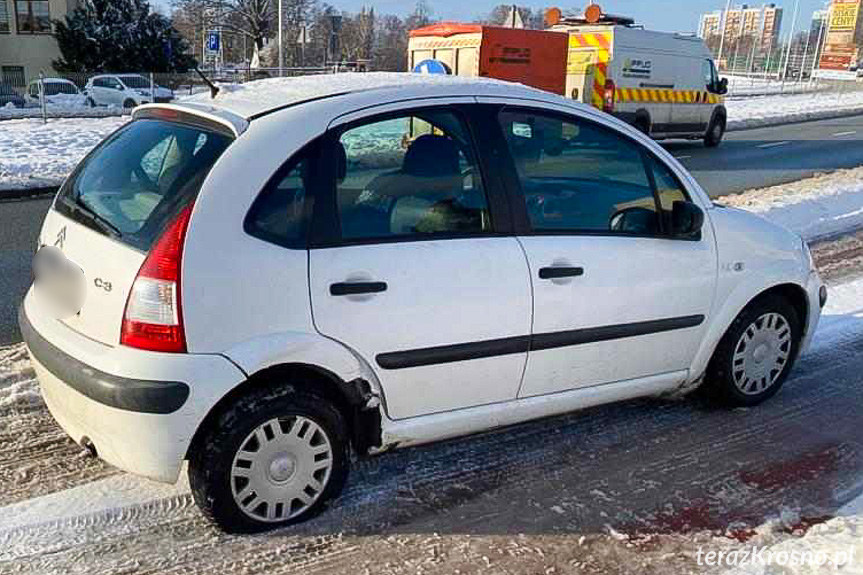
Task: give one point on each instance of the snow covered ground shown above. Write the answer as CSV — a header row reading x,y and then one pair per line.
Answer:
x,y
36,155
757,112
815,208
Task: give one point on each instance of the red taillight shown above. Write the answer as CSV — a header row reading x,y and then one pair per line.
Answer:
x,y
153,319
608,100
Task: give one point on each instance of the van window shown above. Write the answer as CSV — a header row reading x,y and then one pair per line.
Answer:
x,y
139,178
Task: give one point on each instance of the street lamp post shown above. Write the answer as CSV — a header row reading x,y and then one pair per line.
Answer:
x,y
724,24
281,52
790,41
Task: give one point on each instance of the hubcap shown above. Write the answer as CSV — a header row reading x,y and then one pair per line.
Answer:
x,y
281,468
761,353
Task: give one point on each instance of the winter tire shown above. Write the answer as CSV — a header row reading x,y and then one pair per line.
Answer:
x,y
756,354
715,132
275,457
129,104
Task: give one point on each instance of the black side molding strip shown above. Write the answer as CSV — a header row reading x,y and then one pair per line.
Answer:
x,y
453,353
609,332
139,395
525,343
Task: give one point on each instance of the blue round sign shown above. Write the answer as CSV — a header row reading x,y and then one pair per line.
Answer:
x,y
431,67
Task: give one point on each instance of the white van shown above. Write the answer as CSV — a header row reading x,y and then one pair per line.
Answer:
x,y
664,84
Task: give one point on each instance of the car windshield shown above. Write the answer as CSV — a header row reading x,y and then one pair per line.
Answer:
x,y
139,178
54,88
135,81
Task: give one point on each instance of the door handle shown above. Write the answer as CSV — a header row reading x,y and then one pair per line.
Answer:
x,y
554,273
357,288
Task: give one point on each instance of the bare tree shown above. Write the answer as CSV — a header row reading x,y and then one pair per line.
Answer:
x,y
254,19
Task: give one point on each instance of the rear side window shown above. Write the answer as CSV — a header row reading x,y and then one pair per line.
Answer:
x,y
138,179
279,213
580,177
410,177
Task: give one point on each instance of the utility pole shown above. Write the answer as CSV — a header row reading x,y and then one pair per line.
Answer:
x,y
724,23
790,40
818,47
281,51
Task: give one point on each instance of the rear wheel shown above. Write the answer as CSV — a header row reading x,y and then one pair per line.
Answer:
x,y
715,132
756,354
274,458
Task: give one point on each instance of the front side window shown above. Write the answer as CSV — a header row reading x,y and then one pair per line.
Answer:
x,y
580,177
412,176
138,179
33,16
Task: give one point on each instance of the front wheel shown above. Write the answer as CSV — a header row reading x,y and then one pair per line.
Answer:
x,y
274,458
715,132
756,354
129,104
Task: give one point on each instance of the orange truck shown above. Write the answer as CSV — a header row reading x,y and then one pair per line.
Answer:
x,y
535,58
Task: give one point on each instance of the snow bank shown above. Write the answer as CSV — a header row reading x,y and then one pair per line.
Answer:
x,y
12,113
815,208
784,109
35,155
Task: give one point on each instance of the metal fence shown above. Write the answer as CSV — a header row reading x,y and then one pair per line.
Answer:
x,y
742,85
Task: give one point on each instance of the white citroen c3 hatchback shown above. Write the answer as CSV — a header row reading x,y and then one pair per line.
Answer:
x,y
264,282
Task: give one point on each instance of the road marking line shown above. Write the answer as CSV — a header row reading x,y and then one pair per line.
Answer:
x,y
839,134
773,144
682,157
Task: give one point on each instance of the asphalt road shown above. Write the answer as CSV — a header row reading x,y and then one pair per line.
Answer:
x,y
770,156
20,221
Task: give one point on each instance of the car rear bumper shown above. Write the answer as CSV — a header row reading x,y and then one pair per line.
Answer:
x,y
140,417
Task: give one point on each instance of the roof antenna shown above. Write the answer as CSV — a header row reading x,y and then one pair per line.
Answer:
x,y
214,90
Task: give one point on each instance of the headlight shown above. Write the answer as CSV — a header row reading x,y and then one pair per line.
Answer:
x,y
143,92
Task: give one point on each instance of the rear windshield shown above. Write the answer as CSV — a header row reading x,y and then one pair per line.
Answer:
x,y
139,178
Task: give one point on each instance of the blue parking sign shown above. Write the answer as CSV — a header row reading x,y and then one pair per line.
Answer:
x,y
213,41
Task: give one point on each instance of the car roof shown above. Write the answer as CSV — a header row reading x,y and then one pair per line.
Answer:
x,y
260,97
55,81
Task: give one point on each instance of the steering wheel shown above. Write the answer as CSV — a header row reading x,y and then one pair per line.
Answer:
x,y
633,220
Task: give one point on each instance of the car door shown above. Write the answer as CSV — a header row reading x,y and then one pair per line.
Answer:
x,y
410,265
615,296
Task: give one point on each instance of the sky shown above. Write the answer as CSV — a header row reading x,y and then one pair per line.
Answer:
x,y
664,15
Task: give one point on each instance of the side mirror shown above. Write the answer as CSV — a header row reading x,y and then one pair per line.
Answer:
x,y
723,86
687,220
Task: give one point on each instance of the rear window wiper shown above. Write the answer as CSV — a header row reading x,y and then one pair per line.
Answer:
x,y
81,208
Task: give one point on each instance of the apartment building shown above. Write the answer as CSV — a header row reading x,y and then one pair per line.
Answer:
x,y
27,45
710,25
761,23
